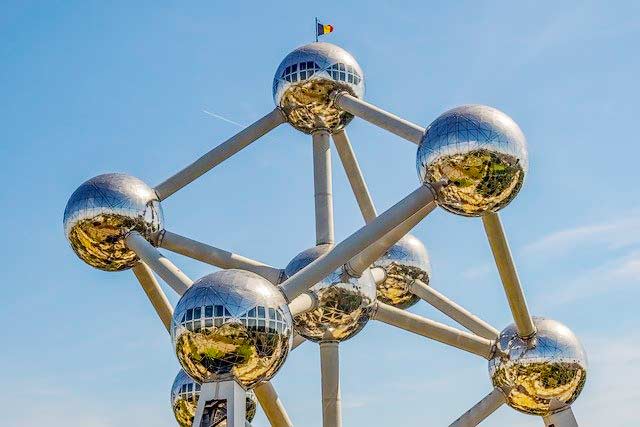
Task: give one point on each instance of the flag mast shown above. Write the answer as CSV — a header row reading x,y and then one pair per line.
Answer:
x,y
316,29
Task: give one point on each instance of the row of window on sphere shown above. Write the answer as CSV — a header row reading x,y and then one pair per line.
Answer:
x,y
305,70
259,317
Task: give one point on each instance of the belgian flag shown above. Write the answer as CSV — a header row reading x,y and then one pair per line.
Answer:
x,y
322,29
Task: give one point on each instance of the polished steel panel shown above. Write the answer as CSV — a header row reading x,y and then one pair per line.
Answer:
x,y
102,211
549,369
345,303
232,325
405,262
184,400
305,80
483,154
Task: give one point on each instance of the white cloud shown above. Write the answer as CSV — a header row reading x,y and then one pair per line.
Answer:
x,y
612,233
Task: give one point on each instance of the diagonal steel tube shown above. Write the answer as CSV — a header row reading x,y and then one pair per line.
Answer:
x,y
354,175
453,310
561,418
357,242
481,410
508,274
379,117
158,263
322,187
362,261
220,153
218,257
272,405
154,292
433,330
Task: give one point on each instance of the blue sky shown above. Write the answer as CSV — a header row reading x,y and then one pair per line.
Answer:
x,y
91,87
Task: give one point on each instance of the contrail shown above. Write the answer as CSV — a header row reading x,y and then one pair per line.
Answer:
x,y
217,116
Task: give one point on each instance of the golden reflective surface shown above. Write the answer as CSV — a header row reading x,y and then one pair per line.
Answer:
x,y
185,393
102,211
553,368
345,303
232,324
403,263
481,152
305,80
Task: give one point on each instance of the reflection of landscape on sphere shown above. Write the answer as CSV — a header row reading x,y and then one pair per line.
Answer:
x,y
101,212
232,324
345,303
185,393
554,368
404,262
481,152
305,80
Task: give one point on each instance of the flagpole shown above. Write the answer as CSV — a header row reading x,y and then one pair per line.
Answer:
x,y
316,29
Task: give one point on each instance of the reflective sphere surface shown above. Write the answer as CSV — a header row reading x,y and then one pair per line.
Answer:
x,y
483,154
102,211
555,367
184,401
232,324
345,303
305,79
405,262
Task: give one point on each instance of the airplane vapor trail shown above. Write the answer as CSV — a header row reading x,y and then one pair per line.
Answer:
x,y
217,116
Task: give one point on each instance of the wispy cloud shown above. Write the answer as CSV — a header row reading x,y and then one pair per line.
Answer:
x,y
613,234
218,116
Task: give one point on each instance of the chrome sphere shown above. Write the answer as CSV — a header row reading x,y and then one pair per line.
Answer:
x,y
305,80
481,152
552,368
232,324
102,211
405,262
345,303
184,401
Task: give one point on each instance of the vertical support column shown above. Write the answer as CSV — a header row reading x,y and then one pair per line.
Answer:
x,y
508,274
235,397
322,186
330,367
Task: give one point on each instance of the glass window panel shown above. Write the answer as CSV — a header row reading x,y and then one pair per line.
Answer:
x,y
190,314
196,312
261,312
261,323
294,68
341,67
272,313
303,75
310,73
252,323
208,311
343,76
219,310
350,78
287,70
208,322
303,66
226,312
252,312
294,77
217,322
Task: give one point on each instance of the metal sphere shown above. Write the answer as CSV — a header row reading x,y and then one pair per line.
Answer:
x,y
345,303
552,368
305,80
232,324
184,401
481,152
405,262
102,211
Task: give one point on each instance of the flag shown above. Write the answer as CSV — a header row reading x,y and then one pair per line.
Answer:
x,y
322,29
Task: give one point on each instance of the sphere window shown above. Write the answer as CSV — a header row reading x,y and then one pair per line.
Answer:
x,y
345,73
301,71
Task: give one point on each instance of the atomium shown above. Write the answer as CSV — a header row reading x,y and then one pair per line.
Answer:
x,y
481,152
344,304
305,80
184,400
232,330
102,211
406,261
553,366
232,325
